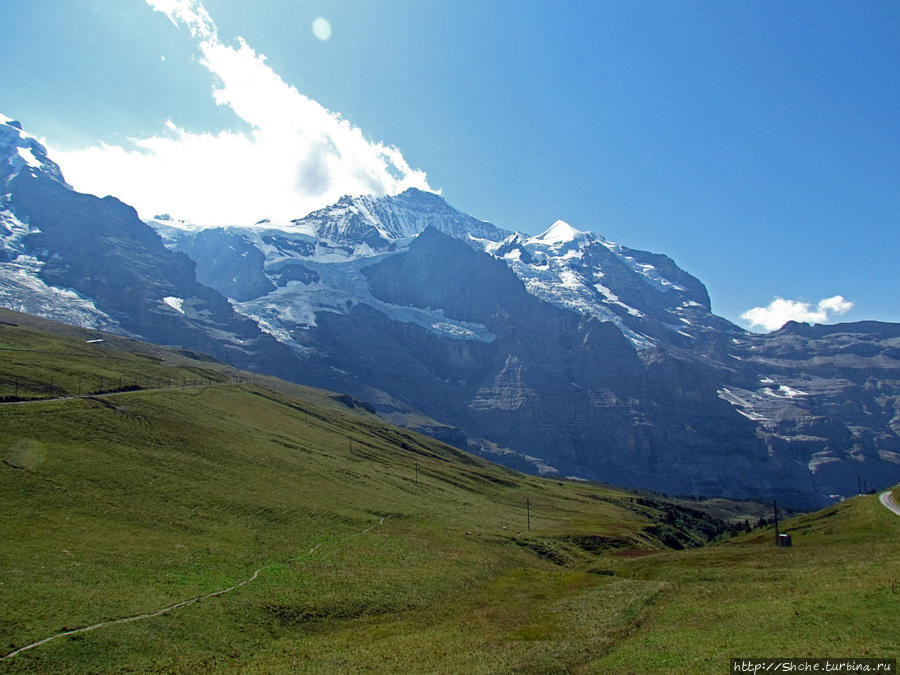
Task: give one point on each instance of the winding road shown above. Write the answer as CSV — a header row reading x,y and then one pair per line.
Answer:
x,y
886,499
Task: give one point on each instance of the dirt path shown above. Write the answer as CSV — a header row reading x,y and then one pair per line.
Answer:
x,y
112,393
178,605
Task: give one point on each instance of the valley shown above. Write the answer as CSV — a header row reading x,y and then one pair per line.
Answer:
x,y
377,549
466,338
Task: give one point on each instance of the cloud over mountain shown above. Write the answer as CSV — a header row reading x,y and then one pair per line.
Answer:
x,y
780,311
296,157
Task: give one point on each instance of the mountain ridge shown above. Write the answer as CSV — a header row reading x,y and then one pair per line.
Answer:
x,y
565,351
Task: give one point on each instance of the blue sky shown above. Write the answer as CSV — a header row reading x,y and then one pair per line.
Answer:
x,y
756,143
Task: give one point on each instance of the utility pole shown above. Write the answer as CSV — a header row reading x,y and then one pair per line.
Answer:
x,y
528,509
417,473
775,509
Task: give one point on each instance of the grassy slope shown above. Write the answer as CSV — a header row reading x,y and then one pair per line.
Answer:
x,y
37,364
834,593
115,505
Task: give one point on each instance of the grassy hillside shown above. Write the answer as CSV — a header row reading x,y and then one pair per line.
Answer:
x,y
377,549
834,593
40,359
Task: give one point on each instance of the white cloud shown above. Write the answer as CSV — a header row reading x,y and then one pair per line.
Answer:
x,y
835,304
298,156
780,311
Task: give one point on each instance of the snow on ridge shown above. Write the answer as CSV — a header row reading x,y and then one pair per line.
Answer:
x,y
556,266
20,149
561,286
650,274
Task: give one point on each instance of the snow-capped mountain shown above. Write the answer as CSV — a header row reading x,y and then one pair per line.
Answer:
x,y
561,352
20,280
645,294
282,275
91,262
20,151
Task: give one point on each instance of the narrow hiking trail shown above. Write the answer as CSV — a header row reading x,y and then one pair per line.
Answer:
x,y
178,605
113,393
137,617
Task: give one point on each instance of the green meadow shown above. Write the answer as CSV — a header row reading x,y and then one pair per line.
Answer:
x,y
376,549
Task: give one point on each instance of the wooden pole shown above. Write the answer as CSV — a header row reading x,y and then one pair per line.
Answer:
x,y
775,509
528,509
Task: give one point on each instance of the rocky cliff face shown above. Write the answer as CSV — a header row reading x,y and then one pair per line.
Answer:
x,y
825,400
589,358
565,387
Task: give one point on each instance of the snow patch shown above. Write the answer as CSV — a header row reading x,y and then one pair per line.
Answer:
x,y
570,280
30,159
613,299
453,330
22,290
175,303
741,403
784,392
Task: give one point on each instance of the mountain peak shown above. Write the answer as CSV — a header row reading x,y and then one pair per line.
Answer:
x,y
561,233
418,193
20,151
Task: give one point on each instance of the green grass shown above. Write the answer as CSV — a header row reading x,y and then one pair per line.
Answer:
x,y
834,593
130,503
120,504
36,364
